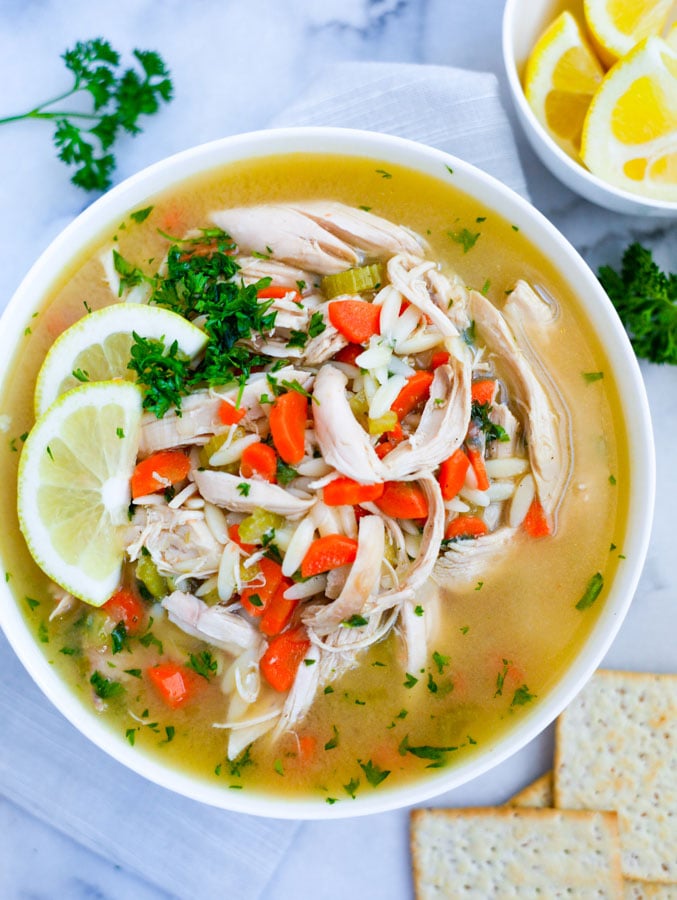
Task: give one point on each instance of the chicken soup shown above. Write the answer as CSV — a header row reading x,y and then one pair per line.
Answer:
x,y
324,485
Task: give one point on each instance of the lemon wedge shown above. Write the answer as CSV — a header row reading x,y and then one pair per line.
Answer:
x,y
630,132
561,78
97,347
617,25
74,489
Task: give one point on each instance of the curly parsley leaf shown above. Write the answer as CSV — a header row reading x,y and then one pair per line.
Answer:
x,y
118,99
646,300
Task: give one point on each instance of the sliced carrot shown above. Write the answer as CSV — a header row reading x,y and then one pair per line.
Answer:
x,y
441,358
349,354
346,492
357,320
483,391
288,426
403,500
176,684
278,292
328,552
535,522
465,526
229,414
477,462
452,474
124,606
384,448
257,598
307,747
279,612
415,391
156,472
283,656
234,535
259,460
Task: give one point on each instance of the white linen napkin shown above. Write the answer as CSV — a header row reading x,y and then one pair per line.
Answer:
x,y
46,766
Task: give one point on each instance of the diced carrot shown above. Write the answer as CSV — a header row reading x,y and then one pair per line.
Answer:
x,y
357,320
176,684
535,522
328,552
403,500
277,292
477,462
288,426
483,391
124,606
384,448
415,391
234,535
346,492
307,747
279,611
257,598
283,656
349,354
157,471
230,414
440,358
465,526
259,460
452,474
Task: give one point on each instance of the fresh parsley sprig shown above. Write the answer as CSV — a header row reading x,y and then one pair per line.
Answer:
x,y
119,98
646,300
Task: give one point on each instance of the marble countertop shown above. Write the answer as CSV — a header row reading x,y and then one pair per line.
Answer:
x,y
235,66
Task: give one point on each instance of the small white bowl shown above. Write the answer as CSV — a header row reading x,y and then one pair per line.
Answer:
x,y
635,430
523,23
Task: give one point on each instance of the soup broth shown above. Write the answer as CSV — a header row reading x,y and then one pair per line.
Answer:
x,y
504,637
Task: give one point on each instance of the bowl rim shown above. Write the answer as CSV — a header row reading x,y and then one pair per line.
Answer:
x,y
549,145
131,193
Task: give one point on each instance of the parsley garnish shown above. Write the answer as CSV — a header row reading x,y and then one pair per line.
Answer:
x,y
432,684
479,415
500,678
130,734
32,603
425,751
80,374
149,638
383,173
355,621
465,238
204,664
373,773
410,680
163,371
440,661
140,215
84,138
317,324
646,300
242,761
522,696
333,742
418,610
43,634
284,473
351,787
590,377
592,591
119,639
104,688
243,488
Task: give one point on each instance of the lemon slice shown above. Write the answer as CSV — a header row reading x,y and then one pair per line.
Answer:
x,y
561,77
617,25
74,488
97,347
630,131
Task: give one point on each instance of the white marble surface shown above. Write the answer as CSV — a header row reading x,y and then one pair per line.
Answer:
x,y
236,65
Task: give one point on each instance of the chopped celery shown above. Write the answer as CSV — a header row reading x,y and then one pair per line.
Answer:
x,y
386,422
147,573
256,525
215,443
353,281
359,403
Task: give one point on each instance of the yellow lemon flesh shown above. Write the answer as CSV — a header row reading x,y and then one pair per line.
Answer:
x,y
617,25
561,78
630,131
97,347
74,486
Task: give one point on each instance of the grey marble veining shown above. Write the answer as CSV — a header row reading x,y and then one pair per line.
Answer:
x,y
236,64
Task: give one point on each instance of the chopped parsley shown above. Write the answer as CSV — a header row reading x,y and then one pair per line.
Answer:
x,y
130,734
500,678
410,680
104,688
522,696
119,638
383,173
591,377
243,489
140,215
317,324
480,416
373,773
465,238
333,742
32,603
440,661
425,751
43,634
149,638
351,787
284,472
355,621
432,684
80,374
203,663
418,610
